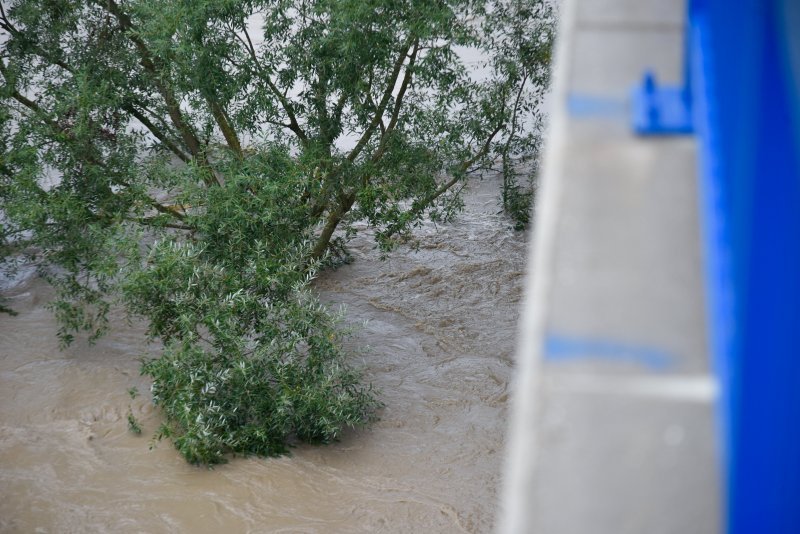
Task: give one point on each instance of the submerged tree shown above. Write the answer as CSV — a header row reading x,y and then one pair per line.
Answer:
x,y
196,160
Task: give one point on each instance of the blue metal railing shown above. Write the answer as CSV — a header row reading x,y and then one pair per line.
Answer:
x,y
742,98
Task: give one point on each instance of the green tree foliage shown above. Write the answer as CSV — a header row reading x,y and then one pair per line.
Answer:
x,y
196,159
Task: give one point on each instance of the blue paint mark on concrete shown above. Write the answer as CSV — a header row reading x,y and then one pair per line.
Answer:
x,y
563,348
587,106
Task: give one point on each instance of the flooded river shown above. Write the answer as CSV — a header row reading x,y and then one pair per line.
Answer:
x,y
440,324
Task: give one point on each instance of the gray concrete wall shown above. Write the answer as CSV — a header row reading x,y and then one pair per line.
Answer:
x,y
612,425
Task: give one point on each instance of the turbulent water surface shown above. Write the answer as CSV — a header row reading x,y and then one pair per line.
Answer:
x,y
440,325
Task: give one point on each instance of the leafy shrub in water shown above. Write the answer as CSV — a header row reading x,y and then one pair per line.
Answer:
x,y
255,401
252,360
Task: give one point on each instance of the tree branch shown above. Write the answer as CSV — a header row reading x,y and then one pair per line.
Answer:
x,y
39,51
377,121
42,114
294,126
168,210
156,131
160,135
225,125
387,95
33,106
334,218
6,23
514,113
368,100
465,165
339,107
149,221
398,104
148,61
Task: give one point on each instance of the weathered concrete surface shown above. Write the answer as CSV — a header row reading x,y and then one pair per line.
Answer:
x,y
613,421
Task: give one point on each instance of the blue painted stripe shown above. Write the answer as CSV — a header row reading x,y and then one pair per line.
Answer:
x,y
564,348
587,106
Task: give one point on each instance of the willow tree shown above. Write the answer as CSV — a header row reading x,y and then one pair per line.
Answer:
x,y
195,160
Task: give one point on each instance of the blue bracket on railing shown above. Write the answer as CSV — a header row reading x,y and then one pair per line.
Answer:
x,y
665,110
661,110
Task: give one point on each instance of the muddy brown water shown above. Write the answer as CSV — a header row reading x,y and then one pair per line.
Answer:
x,y
440,324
